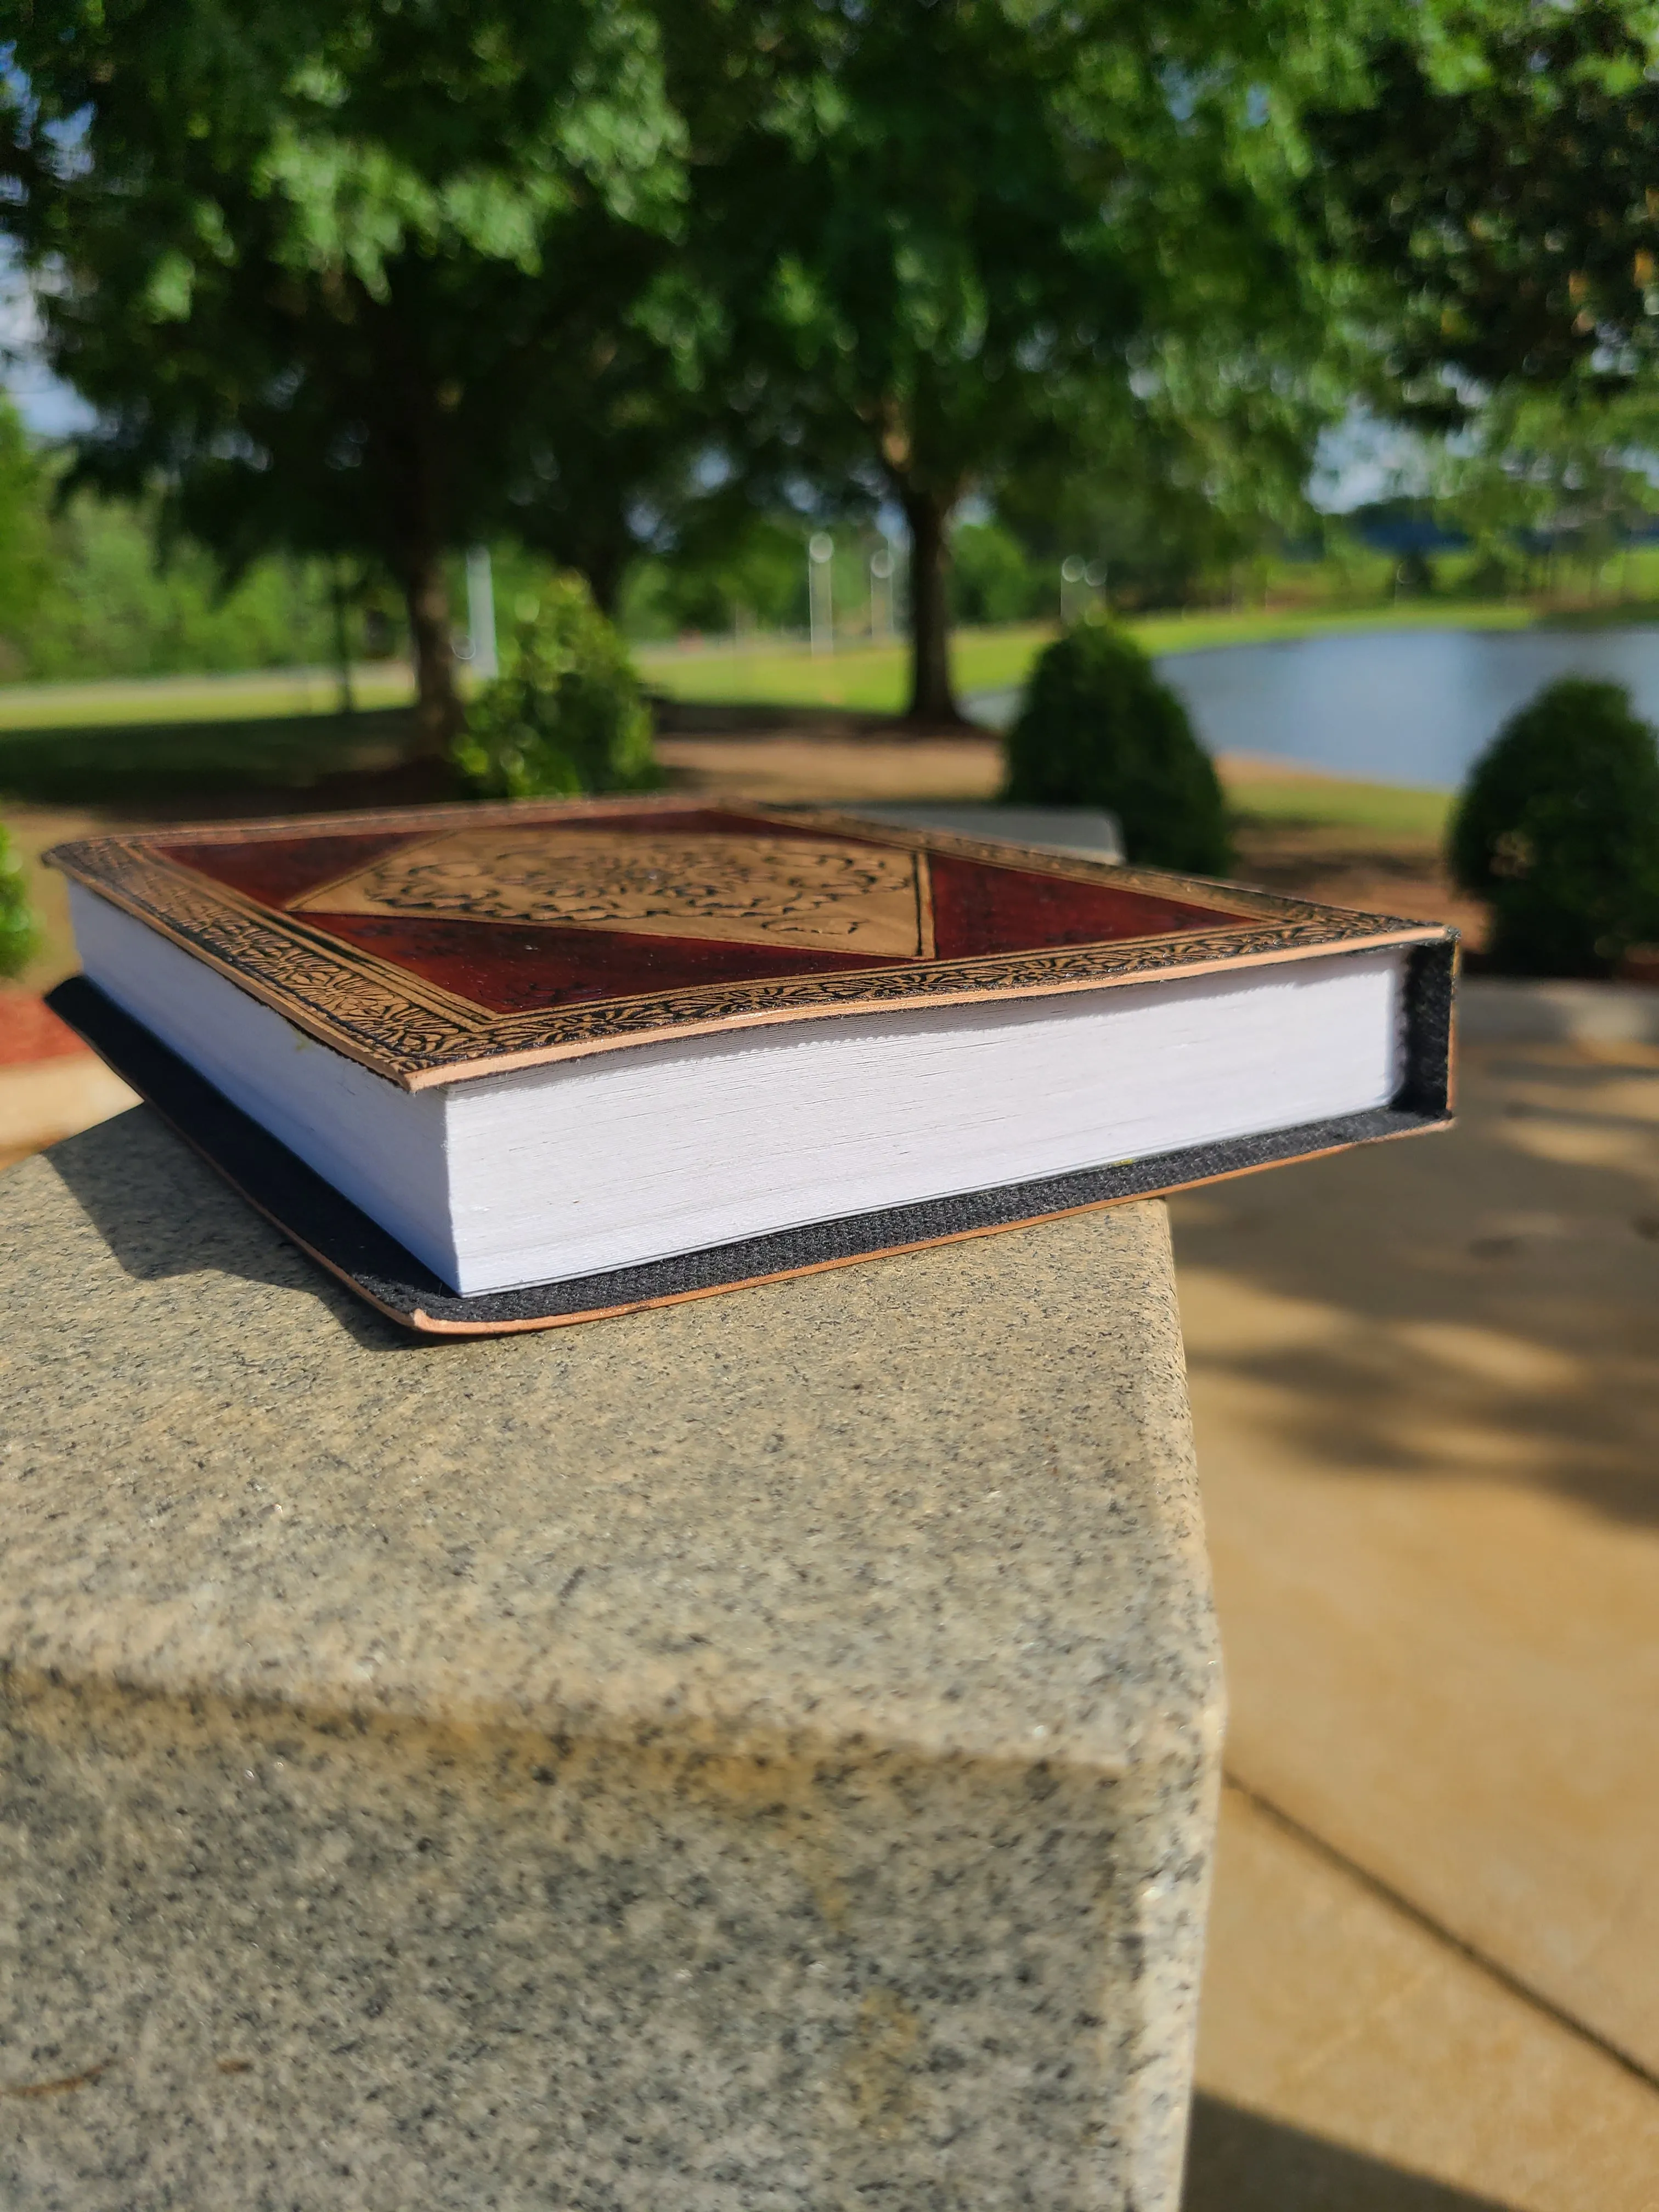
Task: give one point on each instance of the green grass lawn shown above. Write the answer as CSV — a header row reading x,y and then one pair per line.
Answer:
x,y
259,694
866,678
1379,810
1183,632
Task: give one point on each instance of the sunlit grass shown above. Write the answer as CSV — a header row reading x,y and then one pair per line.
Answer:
x,y
1181,632
863,679
260,692
1378,809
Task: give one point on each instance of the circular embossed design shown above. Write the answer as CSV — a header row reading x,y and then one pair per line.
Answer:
x,y
815,893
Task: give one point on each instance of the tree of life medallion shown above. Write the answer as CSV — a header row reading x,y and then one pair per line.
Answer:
x,y
818,894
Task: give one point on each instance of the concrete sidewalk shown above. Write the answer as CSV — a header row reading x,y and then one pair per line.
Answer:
x,y
51,1085
1425,1378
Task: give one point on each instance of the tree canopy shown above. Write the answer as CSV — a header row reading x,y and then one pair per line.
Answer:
x,y
24,552
1510,206
363,279
958,236
329,272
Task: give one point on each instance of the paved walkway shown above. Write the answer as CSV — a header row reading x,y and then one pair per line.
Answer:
x,y
1425,1379
50,1084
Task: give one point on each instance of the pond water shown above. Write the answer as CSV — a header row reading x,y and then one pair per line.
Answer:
x,y
1406,707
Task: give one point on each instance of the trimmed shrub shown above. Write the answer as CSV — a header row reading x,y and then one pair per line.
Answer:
x,y
18,933
1097,728
566,714
1557,829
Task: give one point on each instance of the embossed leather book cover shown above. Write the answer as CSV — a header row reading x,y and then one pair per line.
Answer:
x,y
436,945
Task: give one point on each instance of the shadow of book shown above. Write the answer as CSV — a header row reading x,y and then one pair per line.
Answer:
x,y
1238,2162
164,1213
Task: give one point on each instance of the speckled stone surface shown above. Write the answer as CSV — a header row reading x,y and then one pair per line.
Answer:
x,y
758,1756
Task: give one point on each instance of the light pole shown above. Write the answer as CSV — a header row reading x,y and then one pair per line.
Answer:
x,y
1072,573
881,592
820,548
481,616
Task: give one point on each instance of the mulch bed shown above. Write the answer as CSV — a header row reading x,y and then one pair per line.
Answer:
x,y
30,1031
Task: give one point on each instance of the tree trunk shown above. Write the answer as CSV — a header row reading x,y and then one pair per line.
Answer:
x,y
437,707
933,701
602,568
336,593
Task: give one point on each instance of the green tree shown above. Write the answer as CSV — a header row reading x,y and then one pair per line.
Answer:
x,y
958,229
117,602
87,590
329,272
1506,213
1552,476
1509,207
994,578
750,572
25,540
1167,492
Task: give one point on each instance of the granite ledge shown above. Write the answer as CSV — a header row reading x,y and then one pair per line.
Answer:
x,y
759,1756
943,1501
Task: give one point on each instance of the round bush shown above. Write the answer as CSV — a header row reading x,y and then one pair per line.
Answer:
x,y
1096,728
18,933
566,714
1557,829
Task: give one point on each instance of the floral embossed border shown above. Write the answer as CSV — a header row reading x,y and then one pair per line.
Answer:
x,y
417,1034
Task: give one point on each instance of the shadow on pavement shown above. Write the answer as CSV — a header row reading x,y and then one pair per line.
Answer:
x,y
1238,2162
1476,1303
